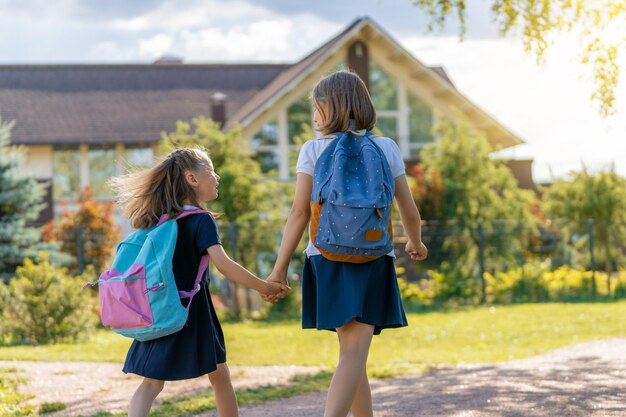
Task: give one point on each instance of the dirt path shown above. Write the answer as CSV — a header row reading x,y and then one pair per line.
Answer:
x,y
586,380
89,387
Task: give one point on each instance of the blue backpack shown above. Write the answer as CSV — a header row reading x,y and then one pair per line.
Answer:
x,y
353,189
138,295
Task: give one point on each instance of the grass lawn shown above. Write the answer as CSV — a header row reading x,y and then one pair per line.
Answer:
x,y
477,334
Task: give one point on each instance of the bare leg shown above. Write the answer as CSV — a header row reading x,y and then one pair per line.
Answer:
x,y
224,393
354,343
142,400
362,403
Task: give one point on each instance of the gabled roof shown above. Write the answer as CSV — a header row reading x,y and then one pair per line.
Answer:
x,y
281,83
284,83
100,104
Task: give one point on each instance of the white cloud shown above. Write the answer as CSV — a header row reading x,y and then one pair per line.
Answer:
x,y
155,46
110,51
178,15
279,39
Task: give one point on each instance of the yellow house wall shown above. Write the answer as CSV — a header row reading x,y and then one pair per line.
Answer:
x,y
38,161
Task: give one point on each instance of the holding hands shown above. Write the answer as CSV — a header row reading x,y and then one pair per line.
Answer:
x,y
277,280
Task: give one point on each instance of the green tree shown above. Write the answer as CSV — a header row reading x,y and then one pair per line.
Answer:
x,y
599,25
599,197
20,203
481,203
251,206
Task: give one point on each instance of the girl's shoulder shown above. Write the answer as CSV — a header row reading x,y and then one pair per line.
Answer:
x,y
389,146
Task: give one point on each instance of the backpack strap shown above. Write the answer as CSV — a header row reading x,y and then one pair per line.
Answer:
x,y
204,261
165,217
204,264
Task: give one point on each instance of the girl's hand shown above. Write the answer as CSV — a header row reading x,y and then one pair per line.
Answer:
x,y
418,253
274,291
280,279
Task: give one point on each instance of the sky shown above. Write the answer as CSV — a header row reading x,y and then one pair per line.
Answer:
x,y
548,106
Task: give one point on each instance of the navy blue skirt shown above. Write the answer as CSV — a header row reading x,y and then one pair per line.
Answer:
x,y
193,351
333,293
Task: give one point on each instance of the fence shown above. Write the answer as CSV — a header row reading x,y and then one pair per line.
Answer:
x,y
469,253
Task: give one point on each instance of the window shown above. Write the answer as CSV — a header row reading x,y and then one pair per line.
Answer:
x,y
267,136
298,114
342,66
265,145
388,126
269,160
102,166
420,121
138,158
299,129
66,173
383,89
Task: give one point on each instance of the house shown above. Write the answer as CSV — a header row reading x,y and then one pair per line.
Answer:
x,y
76,120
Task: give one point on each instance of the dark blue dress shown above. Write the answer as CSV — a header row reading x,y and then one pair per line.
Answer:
x,y
333,293
199,346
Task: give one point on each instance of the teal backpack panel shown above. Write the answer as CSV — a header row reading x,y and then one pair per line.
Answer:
x,y
138,295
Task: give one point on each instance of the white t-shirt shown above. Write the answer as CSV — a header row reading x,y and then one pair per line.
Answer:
x,y
312,150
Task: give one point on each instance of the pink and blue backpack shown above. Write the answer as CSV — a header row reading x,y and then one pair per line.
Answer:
x,y
138,295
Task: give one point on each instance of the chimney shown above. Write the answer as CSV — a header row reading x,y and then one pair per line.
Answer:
x,y
218,108
358,61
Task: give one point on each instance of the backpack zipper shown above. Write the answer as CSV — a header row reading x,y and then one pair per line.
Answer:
x,y
155,288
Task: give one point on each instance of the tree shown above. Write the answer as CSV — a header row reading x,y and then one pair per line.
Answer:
x,y
481,204
89,235
20,203
600,198
247,202
599,25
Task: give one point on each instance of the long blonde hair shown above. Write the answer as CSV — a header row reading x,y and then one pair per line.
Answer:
x,y
145,195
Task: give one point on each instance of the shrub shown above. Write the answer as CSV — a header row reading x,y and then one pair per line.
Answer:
x,y
416,294
45,305
532,282
536,282
95,223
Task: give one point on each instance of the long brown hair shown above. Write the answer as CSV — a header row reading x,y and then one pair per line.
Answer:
x,y
342,98
145,195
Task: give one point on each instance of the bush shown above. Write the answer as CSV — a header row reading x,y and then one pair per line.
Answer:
x,y
43,304
536,282
417,294
95,223
532,282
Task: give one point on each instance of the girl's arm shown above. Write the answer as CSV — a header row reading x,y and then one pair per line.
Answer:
x,y
294,228
235,272
411,219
